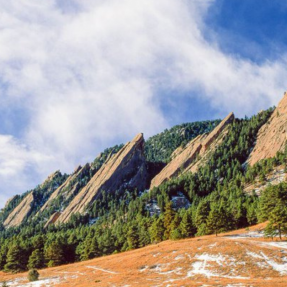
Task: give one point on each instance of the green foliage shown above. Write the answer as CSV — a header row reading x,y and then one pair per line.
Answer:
x,y
123,221
273,207
54,253
5,284
160,147
36,260
33,275
15,259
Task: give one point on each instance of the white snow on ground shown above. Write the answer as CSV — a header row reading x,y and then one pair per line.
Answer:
x,y
179,257
200,267
275,244
40,283
281,268
250,234
103,270
254,255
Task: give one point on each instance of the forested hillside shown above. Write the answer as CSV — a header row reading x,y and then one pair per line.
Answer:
x,y
215,202
159,148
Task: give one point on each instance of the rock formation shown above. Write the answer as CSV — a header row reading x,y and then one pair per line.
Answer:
x,y
21,212
69,188
127,168
25,207
189,158
271,137
52,219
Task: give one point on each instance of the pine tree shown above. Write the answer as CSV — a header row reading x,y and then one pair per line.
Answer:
x,y
54,254
201,216
132,237
36,260
15,261
157,230
273,207
217,220
168,218
186,227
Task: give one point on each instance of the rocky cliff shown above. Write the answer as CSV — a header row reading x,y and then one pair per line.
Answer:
x,y
127,168
271,137
30,201
21,212
69,188
189,158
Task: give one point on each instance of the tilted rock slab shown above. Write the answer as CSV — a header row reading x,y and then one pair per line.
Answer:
x,y
188,159
181,161
52,219
25,207
271,137
69,188
127,168
21,212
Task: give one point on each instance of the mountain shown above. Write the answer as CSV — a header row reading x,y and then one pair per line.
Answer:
x,y
125,169
28,202
56,203
191,156
192,180
272,136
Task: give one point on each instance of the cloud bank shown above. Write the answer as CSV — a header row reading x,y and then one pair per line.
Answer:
x,y
78,76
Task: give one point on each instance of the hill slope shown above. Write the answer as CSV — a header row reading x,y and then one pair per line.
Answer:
x,y
203,261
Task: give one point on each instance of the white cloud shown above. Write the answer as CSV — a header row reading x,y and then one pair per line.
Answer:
x,y
87,74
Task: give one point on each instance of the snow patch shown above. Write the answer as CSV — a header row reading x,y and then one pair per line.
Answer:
x,y
281,268
101,269
40,283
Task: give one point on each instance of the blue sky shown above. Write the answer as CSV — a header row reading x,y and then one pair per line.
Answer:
x,y
79,76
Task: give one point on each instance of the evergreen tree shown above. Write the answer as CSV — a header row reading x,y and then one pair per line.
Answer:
x,y
54,254
157,230
15,262
217,220
273,207
187,229
36,260
132,237
201,216
168,219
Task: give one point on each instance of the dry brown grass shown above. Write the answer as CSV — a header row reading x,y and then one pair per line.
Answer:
x,y
204,261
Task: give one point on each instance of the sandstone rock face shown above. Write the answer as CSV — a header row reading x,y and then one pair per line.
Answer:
x,y
216,132
127,168
21,212
52,219
195,152
180,162
271,137
69,188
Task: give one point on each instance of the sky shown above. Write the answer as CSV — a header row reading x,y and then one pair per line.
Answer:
x,y
77,76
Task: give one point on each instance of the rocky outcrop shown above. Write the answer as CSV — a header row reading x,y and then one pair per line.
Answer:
x,y
271,137
189,158
127,168
21,212
52,219
216,132
180,162
69,188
